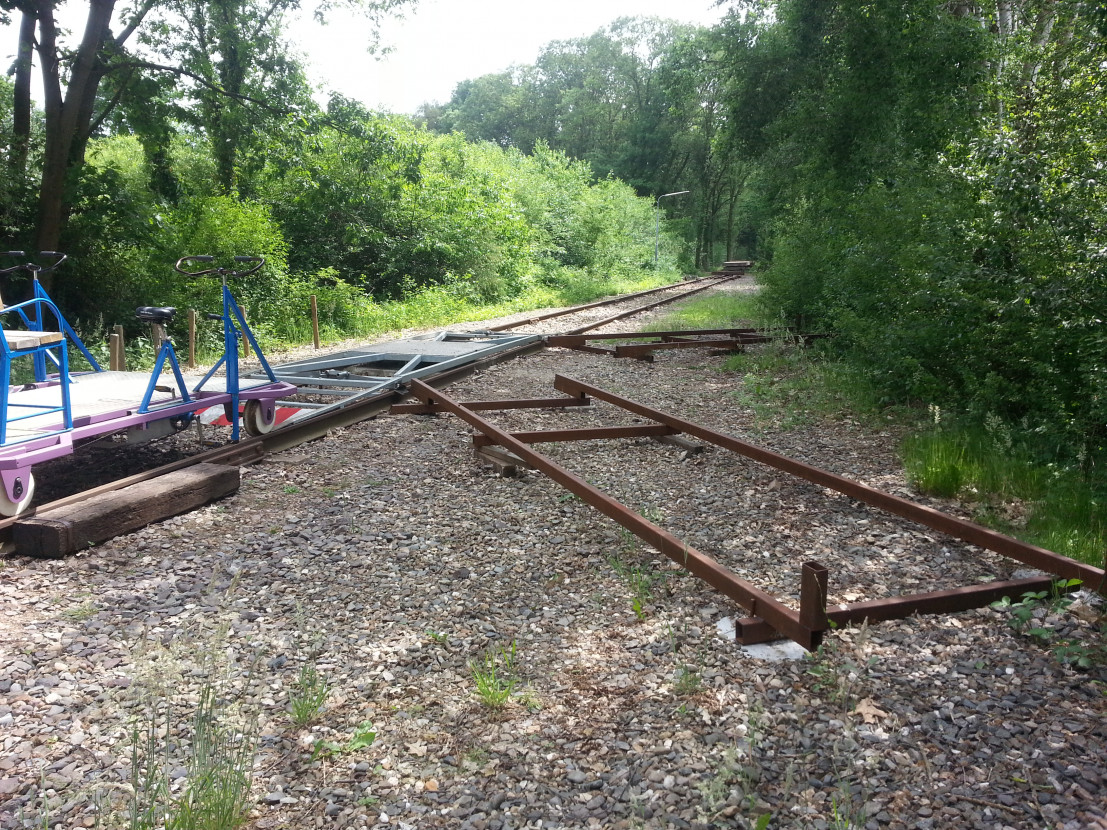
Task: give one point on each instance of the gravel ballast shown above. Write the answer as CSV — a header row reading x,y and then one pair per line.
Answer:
x,y
390,561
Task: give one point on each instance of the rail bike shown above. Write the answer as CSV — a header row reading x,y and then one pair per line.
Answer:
x,y
49,416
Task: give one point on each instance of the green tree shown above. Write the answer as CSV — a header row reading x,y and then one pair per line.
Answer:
x,y
73,107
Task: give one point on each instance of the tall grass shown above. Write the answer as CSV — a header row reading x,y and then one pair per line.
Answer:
x,y
716,312
1013,490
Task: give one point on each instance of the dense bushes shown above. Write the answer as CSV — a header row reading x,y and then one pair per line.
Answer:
x,y
936,201
357,209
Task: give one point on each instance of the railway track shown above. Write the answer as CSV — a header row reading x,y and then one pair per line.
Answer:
x,y
585,317
768,618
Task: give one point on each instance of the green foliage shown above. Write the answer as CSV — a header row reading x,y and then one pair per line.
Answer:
x,y
928,189
363,737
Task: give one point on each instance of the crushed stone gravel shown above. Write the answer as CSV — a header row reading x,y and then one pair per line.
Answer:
x,y
390,561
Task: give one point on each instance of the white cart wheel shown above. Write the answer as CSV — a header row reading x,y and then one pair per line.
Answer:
x,y
11,508
253,417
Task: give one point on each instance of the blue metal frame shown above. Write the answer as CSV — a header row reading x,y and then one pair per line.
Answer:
x,y
166,352
38,354
64,327
231,332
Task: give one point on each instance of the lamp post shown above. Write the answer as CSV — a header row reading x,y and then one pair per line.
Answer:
x,y
657,223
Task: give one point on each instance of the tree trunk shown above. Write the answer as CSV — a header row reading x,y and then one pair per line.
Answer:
x,y
68,117
21,98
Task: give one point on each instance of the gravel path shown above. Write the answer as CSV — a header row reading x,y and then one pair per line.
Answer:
x,y
388,561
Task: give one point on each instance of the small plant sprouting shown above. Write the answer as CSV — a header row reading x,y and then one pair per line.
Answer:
x,y
495,676
687,682
307,697
1024,612
291,489
440,637
365,735
81,612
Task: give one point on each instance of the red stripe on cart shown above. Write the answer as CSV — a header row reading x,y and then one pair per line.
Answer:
x,y
216,417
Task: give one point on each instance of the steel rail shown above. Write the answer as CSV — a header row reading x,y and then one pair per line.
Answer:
x,y
758,602
571,341
597,304
624,314
554,436
644,351
967,531
484,406
753,630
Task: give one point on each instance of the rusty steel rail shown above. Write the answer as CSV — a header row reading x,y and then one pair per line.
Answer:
x,y
483,406
806,627
553,436
967,531
570,341
644,351
597,304
751,630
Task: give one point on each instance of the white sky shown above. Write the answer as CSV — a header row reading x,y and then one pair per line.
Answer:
x,y
444,42
439,44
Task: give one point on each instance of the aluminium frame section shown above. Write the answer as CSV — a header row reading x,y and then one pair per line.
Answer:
x,y
414,365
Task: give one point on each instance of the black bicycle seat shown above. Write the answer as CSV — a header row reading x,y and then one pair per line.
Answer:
x,y
154,314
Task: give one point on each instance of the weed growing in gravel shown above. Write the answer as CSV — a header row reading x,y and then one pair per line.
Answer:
x,y
838,667
1027,616
216,794
687,681
363,737
308,695
81,612
641,582
738,770
495,676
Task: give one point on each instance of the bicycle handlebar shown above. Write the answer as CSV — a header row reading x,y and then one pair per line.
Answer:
x,y
222,272
34,267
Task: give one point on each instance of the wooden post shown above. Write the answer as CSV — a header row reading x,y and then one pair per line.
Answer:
x,y
157,335
245,339
192,338
121,350
315,320
115,349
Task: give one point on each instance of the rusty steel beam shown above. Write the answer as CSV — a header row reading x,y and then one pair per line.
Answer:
x,y
624,314
592,350
749,596
482,406
814,579
551,436
598,304
755,630
571,340
641,350
967,531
